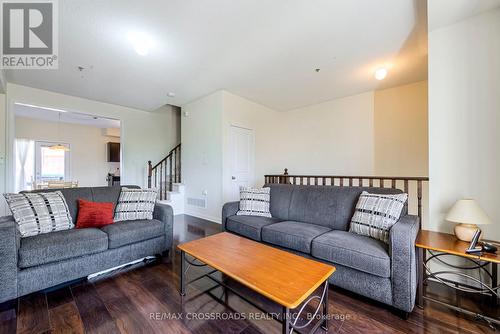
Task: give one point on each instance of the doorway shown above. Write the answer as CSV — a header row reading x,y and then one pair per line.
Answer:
x,y
241,158
52,164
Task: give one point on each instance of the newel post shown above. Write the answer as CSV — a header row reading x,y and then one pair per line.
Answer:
x,y
150,173
284,179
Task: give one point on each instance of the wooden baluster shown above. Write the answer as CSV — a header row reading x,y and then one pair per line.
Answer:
x,y
360,182
332,181
371,182
341,181
419,199
180,163
381,181
405,186
350,182
150,172
170,178
174,163
161,179
394,183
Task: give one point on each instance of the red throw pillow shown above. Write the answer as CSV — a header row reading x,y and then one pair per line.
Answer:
x,y
94,214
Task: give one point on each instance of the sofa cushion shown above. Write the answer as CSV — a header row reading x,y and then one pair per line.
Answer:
x,y
94,214
106,194
376,214
71,195
249,226
254,202
135,204
39,213
293,235
132,231
354,251
281,195
61,245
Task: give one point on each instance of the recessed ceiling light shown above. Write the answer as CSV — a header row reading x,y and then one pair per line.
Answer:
x,y
381,73
141,42
171,94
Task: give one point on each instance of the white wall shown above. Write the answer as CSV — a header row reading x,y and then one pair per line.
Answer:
x,y
201,132
145,135
88,155
332,138
464,118
401,130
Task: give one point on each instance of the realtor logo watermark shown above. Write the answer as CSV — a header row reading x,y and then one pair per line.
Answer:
x,y
29,34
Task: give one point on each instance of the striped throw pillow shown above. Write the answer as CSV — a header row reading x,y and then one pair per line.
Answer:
x,y
135,204
375,214
254,202
39,213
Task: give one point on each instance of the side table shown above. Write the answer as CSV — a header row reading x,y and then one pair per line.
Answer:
x,y
440,245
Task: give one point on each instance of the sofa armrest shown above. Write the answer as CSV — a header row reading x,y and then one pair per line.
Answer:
x,y
9,246
165,213
229,209
403,262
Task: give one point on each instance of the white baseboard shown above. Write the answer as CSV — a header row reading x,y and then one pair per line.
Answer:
x,y
217,220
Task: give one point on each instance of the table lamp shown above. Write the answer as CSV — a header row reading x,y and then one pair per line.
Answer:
x,y
468,214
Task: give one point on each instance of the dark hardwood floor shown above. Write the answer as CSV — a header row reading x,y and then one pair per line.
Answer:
x,y
145,299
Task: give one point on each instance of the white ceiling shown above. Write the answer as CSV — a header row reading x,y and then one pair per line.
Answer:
x,y
46,114
446,12
259,49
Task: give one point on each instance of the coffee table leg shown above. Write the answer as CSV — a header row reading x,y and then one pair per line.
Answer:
x,y
183,273
287,324
325,308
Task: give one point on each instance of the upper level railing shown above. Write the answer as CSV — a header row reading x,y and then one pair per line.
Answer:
x,y
165,173
413,186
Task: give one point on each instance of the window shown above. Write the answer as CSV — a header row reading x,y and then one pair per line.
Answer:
x,y
51,164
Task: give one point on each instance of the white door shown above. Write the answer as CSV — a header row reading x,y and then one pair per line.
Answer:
x,y
242,160
51,164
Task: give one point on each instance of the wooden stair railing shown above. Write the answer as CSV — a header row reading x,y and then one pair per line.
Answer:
x,y
165,173
413,186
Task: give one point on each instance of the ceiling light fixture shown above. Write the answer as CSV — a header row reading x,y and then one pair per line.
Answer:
x,y
381,73
38,107
59,146
171,94
141,42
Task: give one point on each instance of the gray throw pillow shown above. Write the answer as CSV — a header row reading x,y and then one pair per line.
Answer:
x,y
135,204
254,202
38,213
375,214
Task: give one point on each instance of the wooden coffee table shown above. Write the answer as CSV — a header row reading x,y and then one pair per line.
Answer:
x,y
286,279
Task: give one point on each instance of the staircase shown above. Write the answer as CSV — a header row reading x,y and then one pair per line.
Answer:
x,y
165,176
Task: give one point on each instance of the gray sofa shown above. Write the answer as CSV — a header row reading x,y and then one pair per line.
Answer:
x,y
313,221
39,262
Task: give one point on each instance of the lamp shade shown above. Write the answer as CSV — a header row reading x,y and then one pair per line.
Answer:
x,y
467,211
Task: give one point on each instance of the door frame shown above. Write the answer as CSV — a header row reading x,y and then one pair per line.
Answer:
x,y
251,178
